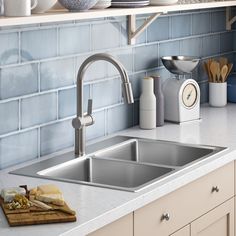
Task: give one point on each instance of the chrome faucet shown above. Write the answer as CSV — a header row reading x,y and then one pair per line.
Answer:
x,y
82,120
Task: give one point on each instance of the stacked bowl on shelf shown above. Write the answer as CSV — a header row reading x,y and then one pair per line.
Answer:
x,y
82,5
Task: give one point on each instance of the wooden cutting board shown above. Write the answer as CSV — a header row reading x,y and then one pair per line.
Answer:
x,y
35,215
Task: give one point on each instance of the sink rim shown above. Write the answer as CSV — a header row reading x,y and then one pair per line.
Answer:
x,y
32,170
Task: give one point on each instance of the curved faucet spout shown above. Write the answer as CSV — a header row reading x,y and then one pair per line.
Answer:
x,y
81,121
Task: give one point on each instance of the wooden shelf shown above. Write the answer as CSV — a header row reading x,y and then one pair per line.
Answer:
x,y
133,32
59,16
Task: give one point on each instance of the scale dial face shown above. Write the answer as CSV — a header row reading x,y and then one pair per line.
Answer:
x,y
189,95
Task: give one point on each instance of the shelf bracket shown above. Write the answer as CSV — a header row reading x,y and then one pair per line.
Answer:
x,y
229,19
133,32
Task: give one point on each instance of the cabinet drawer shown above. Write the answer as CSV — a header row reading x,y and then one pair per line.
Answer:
x,y
185,204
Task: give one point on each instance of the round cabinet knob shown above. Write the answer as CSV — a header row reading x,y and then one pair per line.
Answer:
x,y
215,189
165,216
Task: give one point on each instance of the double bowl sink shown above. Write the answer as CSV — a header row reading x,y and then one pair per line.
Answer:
x,y
123,163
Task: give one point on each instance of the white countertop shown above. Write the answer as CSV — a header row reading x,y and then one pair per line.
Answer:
x,y
97,207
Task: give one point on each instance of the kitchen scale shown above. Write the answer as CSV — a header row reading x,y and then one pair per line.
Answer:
x,y
181,95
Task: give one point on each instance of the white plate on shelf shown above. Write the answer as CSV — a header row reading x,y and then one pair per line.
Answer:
x,y
130,4
163,2
102,4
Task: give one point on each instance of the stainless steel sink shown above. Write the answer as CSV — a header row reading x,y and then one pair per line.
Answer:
x,y
157,152
106,173
124,163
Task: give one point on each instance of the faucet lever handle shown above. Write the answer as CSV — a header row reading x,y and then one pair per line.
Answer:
x,y
90,107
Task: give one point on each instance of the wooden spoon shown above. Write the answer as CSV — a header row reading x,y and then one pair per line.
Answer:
x,y
207,71
215,70
230,67
223,73
223,61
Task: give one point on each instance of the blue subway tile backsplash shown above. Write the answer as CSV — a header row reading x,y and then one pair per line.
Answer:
x,y
18,81
74,39
18,148
9,48
56,136
38,109
38,44
39,65
9,118
57,73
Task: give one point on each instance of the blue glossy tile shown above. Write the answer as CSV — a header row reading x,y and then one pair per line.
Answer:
x,y
38,110
201,23
218,21
119,118
125,56
106,93
191,47
38,44
98,128
67,101
73,40
18,148
9,48
145,57
55,74
110,35
56,137
180,26
18,81
211,45
226,42
158,30
204,88
9,117
169,49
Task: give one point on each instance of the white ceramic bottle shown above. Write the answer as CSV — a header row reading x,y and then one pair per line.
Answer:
x,y
147,107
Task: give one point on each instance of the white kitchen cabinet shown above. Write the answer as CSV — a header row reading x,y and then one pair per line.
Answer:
x,y
121,227
185,231
217,222
204,207
179,208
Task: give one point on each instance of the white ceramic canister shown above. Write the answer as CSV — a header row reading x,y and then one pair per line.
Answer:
x,y
19,7
218,94
147,107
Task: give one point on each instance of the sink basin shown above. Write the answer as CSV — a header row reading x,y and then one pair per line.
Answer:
x,y
157,152
121,162
106,173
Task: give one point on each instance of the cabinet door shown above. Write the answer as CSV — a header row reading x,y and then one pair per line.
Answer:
x,y
185,231
121,227
218,222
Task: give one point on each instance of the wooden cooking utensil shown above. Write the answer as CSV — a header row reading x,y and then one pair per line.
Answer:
x,y
215,70
223,61
223,73
230,67
207,71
